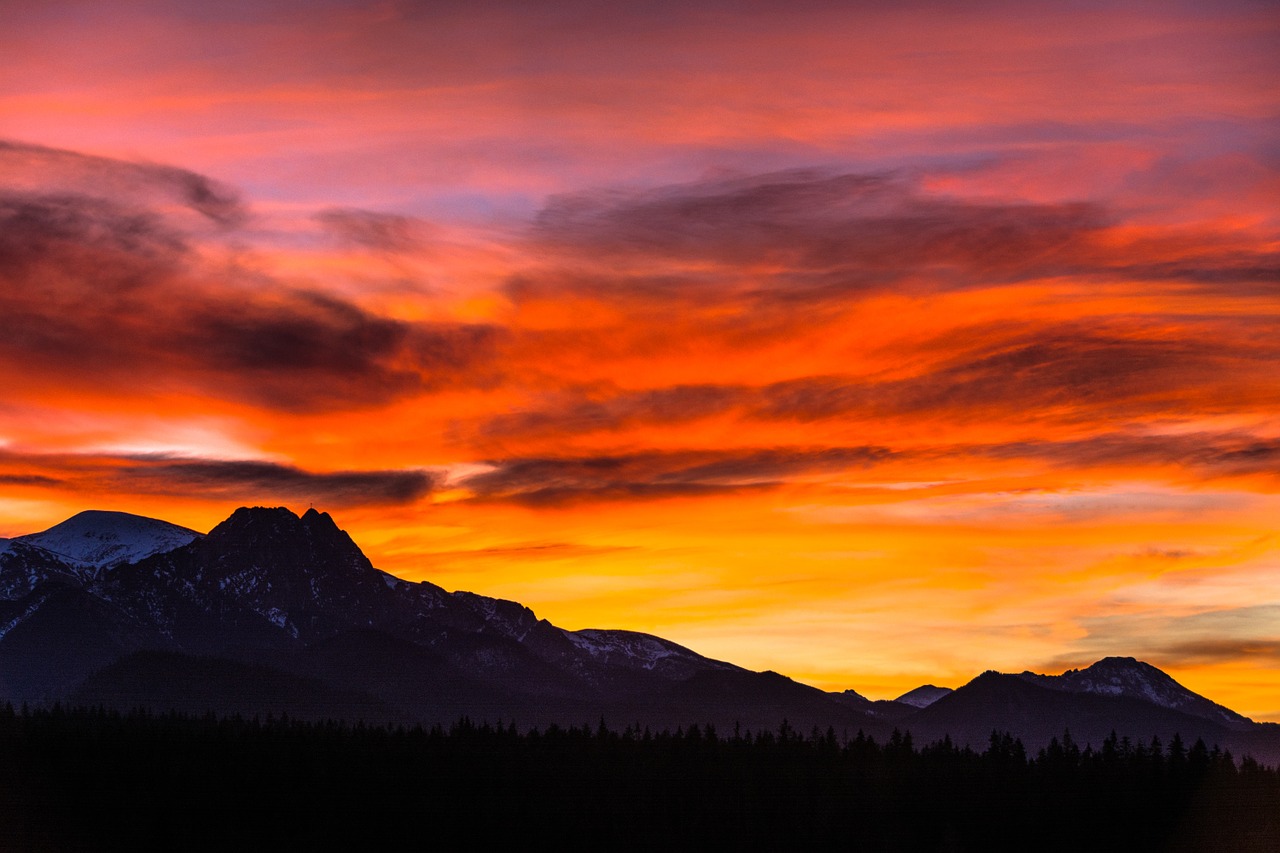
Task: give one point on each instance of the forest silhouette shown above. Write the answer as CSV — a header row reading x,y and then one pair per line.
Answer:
x,y
90,779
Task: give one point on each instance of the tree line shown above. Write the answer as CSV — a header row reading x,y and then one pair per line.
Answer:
x,y
89,779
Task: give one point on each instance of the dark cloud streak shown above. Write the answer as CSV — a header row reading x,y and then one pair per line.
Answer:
x,y
123,180
102,295
383,232
825,232
39,480
658,474
783,242
1067,372
232,479
1231,635
1209,454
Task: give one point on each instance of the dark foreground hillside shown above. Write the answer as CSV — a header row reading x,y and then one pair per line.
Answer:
x,y
94,780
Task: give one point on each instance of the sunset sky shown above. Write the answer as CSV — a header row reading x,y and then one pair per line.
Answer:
x,y
870,343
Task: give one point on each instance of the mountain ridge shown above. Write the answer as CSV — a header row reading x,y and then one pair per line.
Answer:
x,y
294,594
1127,676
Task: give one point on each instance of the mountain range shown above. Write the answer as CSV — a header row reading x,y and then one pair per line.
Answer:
x,y
271,612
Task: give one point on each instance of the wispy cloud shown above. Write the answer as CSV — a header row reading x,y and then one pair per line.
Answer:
x,y
660,474
1228,635
1067,374
812,235
106,294
383,232
991,297
223,480
54,170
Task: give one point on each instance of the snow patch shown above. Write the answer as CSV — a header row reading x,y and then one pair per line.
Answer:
x,y
20,618
642,650
391,580
1117,676
100,540
280,619
923,696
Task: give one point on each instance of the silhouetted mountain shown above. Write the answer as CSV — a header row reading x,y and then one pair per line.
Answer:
x,y
923,696
1122,676
996,702
55,636
198,685
269,586
271,612
754,700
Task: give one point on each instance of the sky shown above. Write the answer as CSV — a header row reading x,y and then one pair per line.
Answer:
x,y
874,344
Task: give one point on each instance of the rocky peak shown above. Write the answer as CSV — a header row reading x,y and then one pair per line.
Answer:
x,y
275,538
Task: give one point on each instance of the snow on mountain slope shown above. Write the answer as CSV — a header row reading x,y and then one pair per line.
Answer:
x,y
1124,676
923,696
99,539
641,651
266,579
23,567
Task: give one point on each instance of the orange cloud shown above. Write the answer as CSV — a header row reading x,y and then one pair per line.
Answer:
x,y
873,345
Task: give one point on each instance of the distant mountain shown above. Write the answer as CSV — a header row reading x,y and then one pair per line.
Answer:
x,y
95,540
271,611
923,696
1123,676
998,702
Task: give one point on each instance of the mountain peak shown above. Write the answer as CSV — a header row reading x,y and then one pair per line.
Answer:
x,y
103,538
1117,662
247,515
316,520
1117,670
923,696
1128,676
312,537
288,549
278,518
